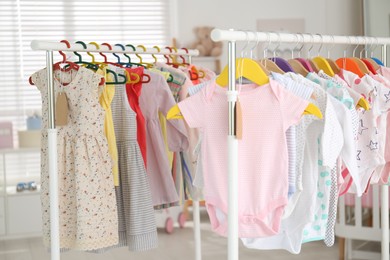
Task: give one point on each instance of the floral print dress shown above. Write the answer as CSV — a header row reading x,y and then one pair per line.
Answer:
x,y
87,203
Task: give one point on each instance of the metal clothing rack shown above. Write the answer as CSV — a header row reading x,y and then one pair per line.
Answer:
x,y
232,37
49,47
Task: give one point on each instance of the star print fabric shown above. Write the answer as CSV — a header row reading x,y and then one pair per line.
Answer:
x,y
370,150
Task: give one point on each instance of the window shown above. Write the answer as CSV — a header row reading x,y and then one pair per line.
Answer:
x,y
146,22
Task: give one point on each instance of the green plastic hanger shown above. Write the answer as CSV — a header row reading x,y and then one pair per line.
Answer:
x,y
80,61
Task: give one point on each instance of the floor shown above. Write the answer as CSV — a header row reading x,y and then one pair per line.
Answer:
x,y
177,246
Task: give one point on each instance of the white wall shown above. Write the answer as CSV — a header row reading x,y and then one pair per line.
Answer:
x,y
377,15
339,17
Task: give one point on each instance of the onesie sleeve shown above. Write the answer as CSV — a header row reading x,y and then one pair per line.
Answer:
x,y
193,109
291,106
176,132
39,79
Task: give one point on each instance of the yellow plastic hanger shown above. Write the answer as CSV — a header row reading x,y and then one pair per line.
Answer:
x,y
323,64
363,103
129,75
249,68
147,65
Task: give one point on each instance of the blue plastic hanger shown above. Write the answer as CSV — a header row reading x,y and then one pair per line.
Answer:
x,y
378,61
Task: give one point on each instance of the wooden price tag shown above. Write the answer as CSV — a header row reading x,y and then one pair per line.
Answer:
x,y
238,120
61,109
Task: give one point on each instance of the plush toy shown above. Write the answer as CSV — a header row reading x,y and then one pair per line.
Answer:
x,y
204,43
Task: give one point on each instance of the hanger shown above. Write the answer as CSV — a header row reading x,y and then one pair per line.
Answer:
x,y
158,50
280,62
184,59
193,72
249,69
370,63
116,80
321,62
331,62
303,61
295,64
305,64
128,77
359,62
148,65
72,65
80,61
349,64
266,64
312,64
170,78
175,113
167,56
245,67
378,61
130,63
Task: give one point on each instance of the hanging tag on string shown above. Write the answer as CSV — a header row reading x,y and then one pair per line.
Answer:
x,y
61,109
238,120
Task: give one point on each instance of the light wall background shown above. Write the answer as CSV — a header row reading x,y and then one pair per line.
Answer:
x,y
336,17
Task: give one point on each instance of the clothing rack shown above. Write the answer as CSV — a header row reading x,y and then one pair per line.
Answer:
x,y
232,37
49,47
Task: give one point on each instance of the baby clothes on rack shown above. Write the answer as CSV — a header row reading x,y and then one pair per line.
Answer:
x,y
302,208
259,215
87,205
133,91
105,98
137,227
156,96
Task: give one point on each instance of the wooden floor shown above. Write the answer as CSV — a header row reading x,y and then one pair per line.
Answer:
x,y
177,246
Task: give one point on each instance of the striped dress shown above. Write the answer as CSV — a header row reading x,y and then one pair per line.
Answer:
x,y
137,226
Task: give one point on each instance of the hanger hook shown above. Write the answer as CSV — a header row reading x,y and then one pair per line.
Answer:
x,y
158,50
139,56
109,47
364,41
296,45
348,46
183,58
369,45
322,42
116,55
97,48
265,50
357,45
303,44
331,46
76,53
168,56
245,45
277,46
255,45
375,46
63,54
312,45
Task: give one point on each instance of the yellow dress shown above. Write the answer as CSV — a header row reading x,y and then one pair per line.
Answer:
x,y
106,96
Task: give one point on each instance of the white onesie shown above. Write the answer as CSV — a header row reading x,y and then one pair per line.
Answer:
x,y
291,233
368,155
